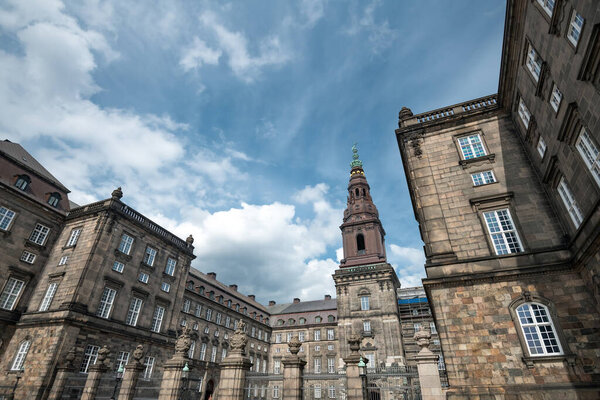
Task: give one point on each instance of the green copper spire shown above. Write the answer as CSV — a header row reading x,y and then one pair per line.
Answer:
x,y
355,161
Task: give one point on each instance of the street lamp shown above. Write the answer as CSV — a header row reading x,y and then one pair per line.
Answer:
x,y
185,371
362,371
118,378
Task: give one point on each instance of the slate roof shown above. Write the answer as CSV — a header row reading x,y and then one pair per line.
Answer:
x,y
303,306
17,153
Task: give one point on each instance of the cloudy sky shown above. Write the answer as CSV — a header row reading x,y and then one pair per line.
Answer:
x,y
234,121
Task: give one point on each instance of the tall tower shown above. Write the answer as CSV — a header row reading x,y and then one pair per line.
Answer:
x,y
365,283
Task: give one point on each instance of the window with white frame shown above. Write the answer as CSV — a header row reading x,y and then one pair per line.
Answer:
x,y
208,314
471,146
6,218
192,349
134,311
202,351
206,330
122,360
317,335
276,366
317,369
569,201
48,296
90,355
224,354
370,360
19,360
524,113
432,327
417,326
183,322
165,287
10,293
502,231
118,266
143,277
257,364
149,256
218,318
575,27
278,338
317,391
54,199
198,310
483,178
275,391
39,234
538,330
331,392
534,62
125,244
170,267
364,303
541,147
547,5
555,98
330,347
106,302
149,364
317,348
63,260
199,387
213,354
73,237
330,365
22,182
186,305
157,318
590,153
28,257
330,334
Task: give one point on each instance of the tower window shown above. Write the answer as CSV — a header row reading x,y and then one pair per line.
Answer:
x,y
22,182
360,243
54,199
357,192
364,192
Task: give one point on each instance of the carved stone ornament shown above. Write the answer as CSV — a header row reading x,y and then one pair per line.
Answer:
x,y
138,353
423,338
294,345
67,361
354,340
238,340
189,240
103,354
184,341
117,193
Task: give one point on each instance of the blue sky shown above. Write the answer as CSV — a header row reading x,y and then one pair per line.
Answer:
x,y
234,121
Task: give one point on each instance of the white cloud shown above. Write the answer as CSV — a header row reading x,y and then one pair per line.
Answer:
x,y
379,33
198,54
312,10
409,264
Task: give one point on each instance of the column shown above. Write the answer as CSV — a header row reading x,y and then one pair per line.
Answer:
x,y
234,367
64,369
170,387
427,364
293,371
133,369
355,385
94,374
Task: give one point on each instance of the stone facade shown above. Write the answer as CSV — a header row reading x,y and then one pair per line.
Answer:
x,y
510,224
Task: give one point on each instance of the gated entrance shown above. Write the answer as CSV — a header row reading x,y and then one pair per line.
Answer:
x,y
393,383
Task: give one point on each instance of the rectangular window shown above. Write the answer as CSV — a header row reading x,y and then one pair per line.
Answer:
x,y
289,337
191,349
11,293
223,354
208,314
203,351
149,256
534,62
19,360
122,360
331,365
278,338
330,346
165,287
39,234
6,217
106,302
276,366
367,326
143,277
317,391
590,154
330,334
63,260
186,305
89,358
317,348
213,354
301,336
118,266
575,27
417,327
547,5
502,232
134,311
371,360
570,203
157,318
198,310
331,392
364,303
483,178
471,147
170,267
149,364
432,327
317,365
28,257
317,335
555,98
199,387
541,147
47,300
524,113
73,238
227,321
275,391
126,243
218,321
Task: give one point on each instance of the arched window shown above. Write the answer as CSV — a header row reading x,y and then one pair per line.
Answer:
x,y
211,295
280,322
331,318
54,199
201,290
291,321
318,320
538,329
357,192
190,285
229,303
360,243
237,307
302,321
364,192
22,182
19,360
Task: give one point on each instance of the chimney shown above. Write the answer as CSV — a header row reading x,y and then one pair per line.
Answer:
x,y
234,287
296,300
212,275
272,302
327,297
253,297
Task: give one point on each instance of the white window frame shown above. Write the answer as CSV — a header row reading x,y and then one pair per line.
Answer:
x,y
11,293
90,355
278,338
370,360
502,232
275,391
157,318
483,178
218,318
170,266
330,334
316,335
73,237
575,27
186,305
432,327
556,97
149,364
202,351
135,307
122,360
365,303
276,366
6,218
191,349
524,113
165,287
118,266
471,146
150,255
48,296
317,391
39,234
331,392
213,354
541,146
330,365
19,360
547,6
126,244
28,257
317,365
537,327
534,62
366,326
208,314
63,260
569,202
589,152
143,277
106,302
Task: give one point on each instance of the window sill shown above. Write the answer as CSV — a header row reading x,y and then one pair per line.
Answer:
x,y
122,256
487,158
4,232
69,247
33,245
150,267
531,361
